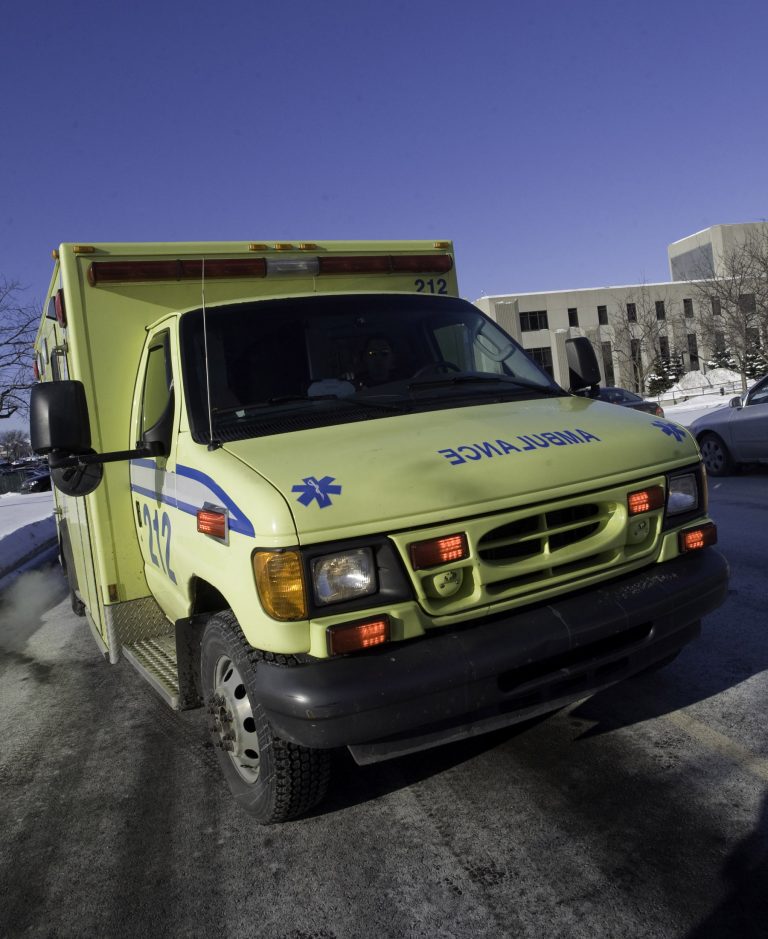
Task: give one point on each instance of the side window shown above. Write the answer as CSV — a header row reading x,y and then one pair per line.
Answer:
x,y
157,394
759,394
452,344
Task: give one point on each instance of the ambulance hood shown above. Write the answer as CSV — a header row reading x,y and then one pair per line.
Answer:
x,y
412,470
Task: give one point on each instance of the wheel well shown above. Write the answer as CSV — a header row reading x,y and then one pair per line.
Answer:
x,y
206,598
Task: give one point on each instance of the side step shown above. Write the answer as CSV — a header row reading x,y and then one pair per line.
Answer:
x,y
155,660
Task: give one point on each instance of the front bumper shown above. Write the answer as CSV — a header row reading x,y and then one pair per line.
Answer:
x,y
457,682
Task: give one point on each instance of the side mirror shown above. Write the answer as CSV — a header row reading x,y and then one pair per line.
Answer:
x,y
735,402
60,429
582,364
59,418
59,424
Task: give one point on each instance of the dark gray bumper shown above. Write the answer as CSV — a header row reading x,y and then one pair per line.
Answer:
x,y
497,671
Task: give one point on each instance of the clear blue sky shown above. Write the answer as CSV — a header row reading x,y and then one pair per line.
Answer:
x,y
559,144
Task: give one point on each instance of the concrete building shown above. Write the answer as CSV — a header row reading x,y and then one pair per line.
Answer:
x,y
701,255
629,326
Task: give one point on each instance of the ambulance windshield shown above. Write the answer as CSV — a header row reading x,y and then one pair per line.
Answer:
x,y
281,365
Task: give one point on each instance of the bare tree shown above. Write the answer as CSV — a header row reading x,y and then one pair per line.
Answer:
x,y
647,330
734,304
14,444
18,325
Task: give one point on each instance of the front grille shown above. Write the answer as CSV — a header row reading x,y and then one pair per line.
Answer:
x,y
541,551
544,531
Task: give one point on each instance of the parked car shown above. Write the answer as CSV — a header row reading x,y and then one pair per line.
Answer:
x,y
629,399
736,434
38,481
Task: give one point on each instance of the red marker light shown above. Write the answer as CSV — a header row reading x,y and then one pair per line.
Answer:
x,y
212,523
693,539
352,637
645,500
436,551
61,310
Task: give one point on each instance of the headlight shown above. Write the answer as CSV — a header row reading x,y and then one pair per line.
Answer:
x,y
344,576
683,494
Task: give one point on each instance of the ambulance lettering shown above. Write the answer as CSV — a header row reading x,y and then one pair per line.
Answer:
x,y
523,443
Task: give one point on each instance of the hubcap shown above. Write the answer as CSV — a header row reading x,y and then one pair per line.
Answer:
x,y
712,454
232,723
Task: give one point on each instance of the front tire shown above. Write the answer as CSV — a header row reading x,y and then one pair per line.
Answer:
x,y
272,779
715,455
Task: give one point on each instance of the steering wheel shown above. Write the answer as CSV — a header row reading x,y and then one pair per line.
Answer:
x,y
442,365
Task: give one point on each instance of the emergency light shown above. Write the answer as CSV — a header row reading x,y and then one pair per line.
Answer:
x,y
116,272
645,500
438,551
695,538
352,637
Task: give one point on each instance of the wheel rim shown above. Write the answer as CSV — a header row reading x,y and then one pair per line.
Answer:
x,y
712,453
234,726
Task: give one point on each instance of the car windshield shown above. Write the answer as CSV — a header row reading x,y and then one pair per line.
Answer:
x,y
281,365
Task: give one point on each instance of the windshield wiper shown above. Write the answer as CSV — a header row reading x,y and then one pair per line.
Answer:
x,y
242,409
452,380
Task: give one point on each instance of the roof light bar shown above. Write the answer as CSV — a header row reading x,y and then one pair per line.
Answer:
x,y
387,264
115,272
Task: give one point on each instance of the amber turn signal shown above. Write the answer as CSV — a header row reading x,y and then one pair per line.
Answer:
x,y
280,582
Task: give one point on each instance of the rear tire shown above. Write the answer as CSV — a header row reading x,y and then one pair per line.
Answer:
x,y
715,455
272,779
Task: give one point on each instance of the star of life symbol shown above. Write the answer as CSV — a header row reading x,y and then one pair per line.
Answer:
x,y
320,489
671,430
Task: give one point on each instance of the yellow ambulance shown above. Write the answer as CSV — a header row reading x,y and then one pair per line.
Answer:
x,y
307,487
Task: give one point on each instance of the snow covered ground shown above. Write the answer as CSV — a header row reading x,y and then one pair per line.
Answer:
x,y
687,411
26,528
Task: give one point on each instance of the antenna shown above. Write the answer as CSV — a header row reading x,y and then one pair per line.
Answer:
x,y
212,444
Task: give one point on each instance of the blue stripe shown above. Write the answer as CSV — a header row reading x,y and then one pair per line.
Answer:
x,y
156,496
238,521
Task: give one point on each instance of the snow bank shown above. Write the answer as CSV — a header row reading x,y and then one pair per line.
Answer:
x,y
713,380
26,528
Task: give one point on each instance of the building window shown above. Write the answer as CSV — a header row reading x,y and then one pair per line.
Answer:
x,y
636,354
688,307
661,313
610,378
530,322
664,348
542,356
693,352
573,316
602,315
717,310
747,303
719,342
631,313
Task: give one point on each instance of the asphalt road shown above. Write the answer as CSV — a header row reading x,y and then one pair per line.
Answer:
x,y
642,812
